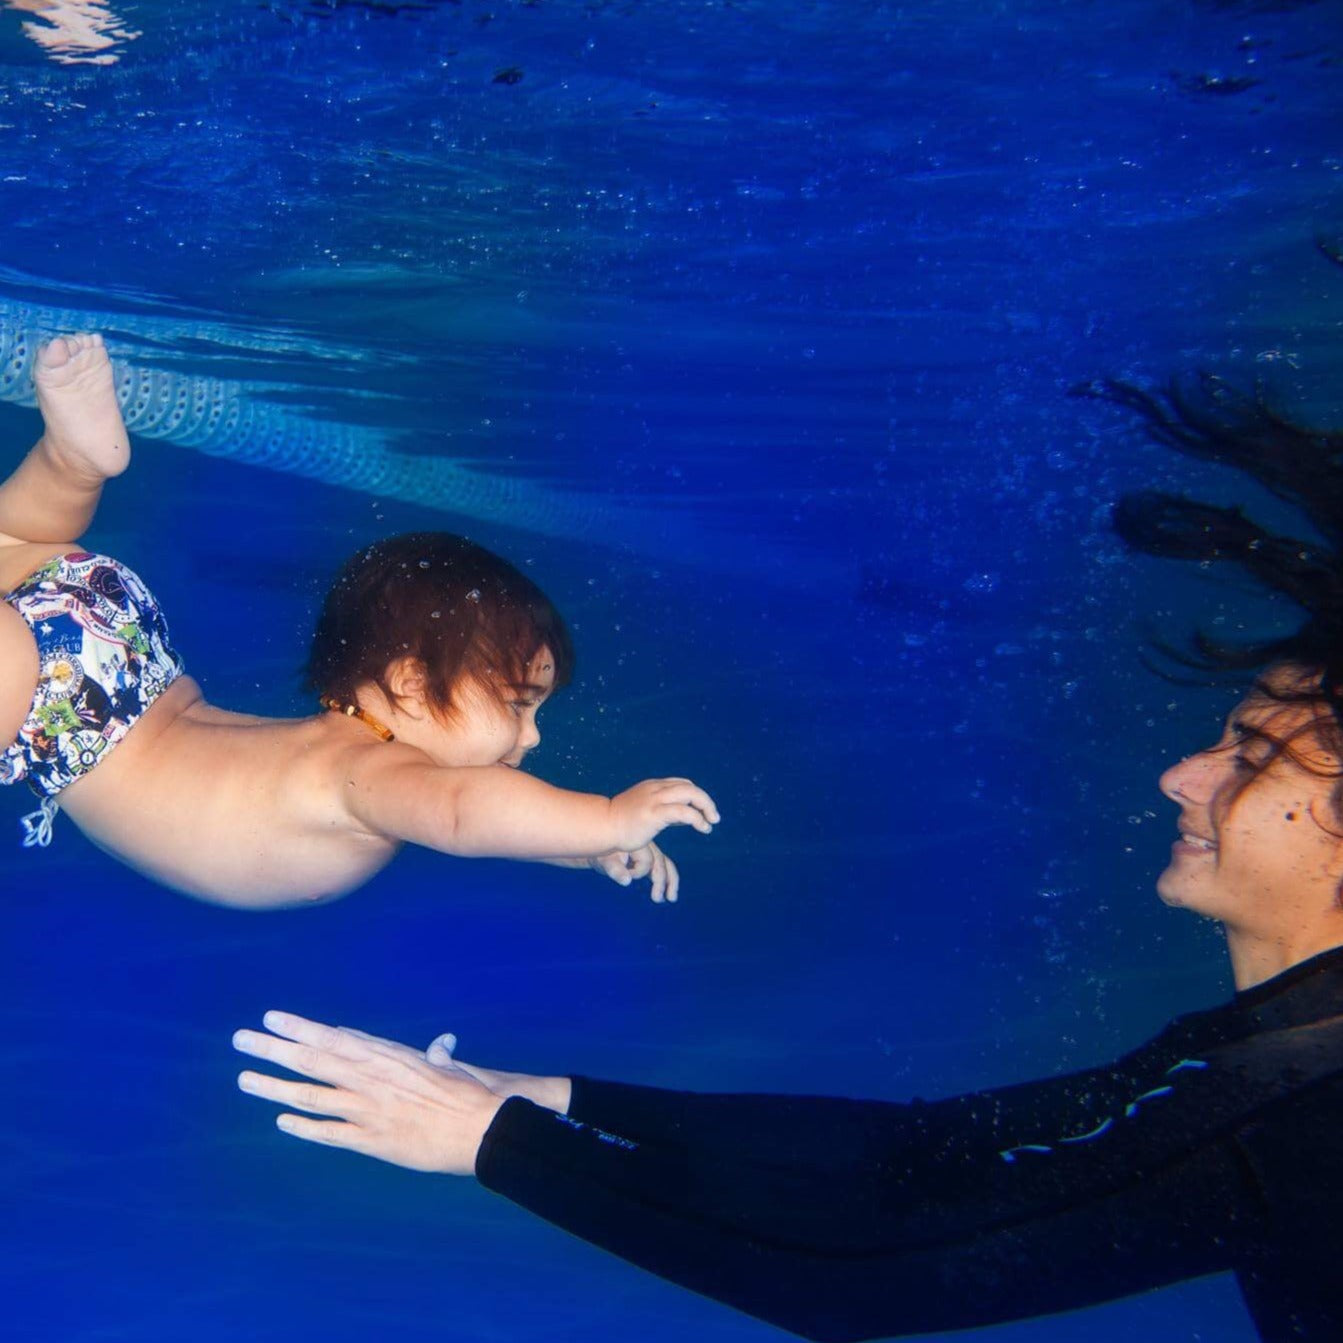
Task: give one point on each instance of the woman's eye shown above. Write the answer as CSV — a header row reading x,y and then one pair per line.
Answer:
x,y
1253,756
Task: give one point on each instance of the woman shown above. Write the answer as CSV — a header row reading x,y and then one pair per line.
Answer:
x,y
1213,1147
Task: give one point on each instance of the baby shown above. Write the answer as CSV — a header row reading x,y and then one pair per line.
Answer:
x,y
432,657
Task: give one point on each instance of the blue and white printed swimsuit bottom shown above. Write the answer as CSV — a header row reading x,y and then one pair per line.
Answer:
x,y
105,657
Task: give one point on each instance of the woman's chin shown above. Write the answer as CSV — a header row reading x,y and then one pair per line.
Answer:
x,y
1168,890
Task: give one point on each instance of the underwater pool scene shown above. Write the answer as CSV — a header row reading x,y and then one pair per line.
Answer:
x,y
754,333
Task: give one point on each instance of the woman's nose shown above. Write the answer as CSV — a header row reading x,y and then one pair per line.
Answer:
x,y
1187,780
530,738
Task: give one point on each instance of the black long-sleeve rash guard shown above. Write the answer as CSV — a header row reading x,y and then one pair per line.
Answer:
x,y
1216,1146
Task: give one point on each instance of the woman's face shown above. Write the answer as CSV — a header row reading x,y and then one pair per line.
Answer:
x,y
1260,851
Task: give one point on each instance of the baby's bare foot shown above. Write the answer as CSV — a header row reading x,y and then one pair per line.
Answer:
x,y
78,400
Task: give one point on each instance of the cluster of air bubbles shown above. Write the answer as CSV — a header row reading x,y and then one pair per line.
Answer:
x,y
1055,945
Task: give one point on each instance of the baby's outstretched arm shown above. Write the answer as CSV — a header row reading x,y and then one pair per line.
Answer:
x,y
54,492
492,811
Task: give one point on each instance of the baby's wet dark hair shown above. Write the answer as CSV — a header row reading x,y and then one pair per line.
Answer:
x,y
467,615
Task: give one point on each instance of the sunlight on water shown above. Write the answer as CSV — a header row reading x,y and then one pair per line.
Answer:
x,y
75,32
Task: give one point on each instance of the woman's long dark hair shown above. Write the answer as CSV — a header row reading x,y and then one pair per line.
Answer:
x,y
1215,422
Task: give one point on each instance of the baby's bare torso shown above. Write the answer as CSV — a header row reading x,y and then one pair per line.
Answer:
x,y
223,806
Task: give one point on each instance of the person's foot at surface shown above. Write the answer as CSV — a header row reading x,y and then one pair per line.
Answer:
x,y
77,396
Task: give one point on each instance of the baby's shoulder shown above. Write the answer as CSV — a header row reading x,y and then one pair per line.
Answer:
x,y
350,751
334,780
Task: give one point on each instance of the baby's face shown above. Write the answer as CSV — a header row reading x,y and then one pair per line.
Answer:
x,y
497,727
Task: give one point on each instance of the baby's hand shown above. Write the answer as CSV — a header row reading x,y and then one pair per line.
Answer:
x,y
649,861
646,810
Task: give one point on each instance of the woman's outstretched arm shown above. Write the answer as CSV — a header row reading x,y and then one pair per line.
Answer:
x,y
943,1233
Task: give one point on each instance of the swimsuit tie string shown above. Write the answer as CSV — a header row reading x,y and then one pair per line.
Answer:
x,y
37,825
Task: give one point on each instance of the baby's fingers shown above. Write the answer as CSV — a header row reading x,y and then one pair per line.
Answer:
x,y
687,813
692,805
664,877
639,863
704,804
673,881
613,865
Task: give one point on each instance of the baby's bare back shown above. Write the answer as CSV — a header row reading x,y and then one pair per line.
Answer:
x,y
230,808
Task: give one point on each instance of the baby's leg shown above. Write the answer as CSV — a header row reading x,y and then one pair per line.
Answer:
x,y
54,492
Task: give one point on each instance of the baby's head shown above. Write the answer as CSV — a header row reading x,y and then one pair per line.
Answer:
x,y
468,619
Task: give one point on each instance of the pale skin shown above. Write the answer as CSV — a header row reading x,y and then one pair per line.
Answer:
x,y
1273,877
1266,863
258,813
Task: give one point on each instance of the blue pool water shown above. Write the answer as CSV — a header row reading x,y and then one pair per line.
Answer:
x,y
767,314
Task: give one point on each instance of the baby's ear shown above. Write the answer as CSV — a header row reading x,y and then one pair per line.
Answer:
x,y
408,679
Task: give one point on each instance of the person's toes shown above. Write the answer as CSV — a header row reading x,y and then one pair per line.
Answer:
x,y
53,354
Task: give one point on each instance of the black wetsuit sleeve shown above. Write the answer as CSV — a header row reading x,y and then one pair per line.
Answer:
x,y
842,1219
830,1131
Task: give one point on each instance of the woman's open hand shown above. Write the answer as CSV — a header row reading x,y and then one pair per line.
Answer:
x,y
381,1098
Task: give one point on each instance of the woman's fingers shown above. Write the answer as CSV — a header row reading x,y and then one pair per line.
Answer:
x,y
396,1106
329,1134
442,1046
323,1053
383,1048
301,1030
306,1096
319,1050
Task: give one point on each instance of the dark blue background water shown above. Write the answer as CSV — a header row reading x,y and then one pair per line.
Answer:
x,y
809,280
